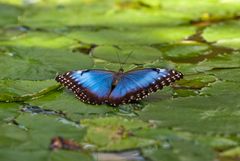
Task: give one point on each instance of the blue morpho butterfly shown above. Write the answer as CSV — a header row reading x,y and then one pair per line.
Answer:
x,y
96,86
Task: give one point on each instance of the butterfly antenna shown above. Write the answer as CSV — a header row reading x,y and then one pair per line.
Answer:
x,y
119,61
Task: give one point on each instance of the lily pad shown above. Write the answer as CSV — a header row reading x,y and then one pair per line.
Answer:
x,y
132,36
218,143
39,155
127,54
11,136
71,106
207,10
176,146
221,88
184,51
38,39
8,111
41,135
12,32
231,153
126,13
181,150
196,81
222,61
201,114
95,13
9,14
227,74
224,34
40,63
20,90
115,133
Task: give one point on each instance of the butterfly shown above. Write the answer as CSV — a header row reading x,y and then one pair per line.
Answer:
x,y
114,88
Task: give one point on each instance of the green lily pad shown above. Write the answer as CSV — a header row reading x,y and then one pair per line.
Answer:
x,y
33,143
207,10
38,39
8,111
233,153
115,133
41,135
227,74
218,143
175,146
185,92
40,63
20,90
12,32
102,64
126,13
71,106
127,54
184,51
141,35
201,114
11,136
230,43
181,151
196,81
227,30
223,61
39,155
221,88
9,14
95,13
224,34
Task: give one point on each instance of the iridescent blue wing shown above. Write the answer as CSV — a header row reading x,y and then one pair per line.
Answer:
x,y
137,84
91,86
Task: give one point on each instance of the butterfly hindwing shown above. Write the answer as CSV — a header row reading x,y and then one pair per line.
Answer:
x,y
91,86
137,84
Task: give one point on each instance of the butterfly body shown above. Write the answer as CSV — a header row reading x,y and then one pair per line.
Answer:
x,y
114,88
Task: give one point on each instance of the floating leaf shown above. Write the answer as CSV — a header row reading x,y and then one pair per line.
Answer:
x,y
39,39
40,63
223,61
221,88
8,111
9,14
20,90
218,143
184,51
39,155
196,81
98,14
202,114
227,74
181,150
141,35
231,153
67,103
127,54
115,133
41,135
224,34
11,136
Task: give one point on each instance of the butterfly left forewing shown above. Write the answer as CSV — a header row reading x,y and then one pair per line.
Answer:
x,y
137,84
91,86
